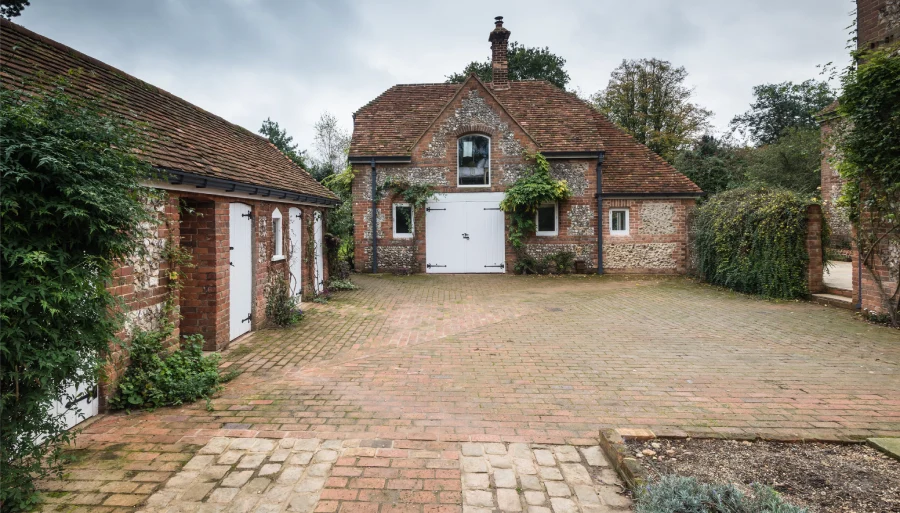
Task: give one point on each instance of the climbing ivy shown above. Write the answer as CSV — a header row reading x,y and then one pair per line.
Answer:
x,y
526,194
754,240
867,154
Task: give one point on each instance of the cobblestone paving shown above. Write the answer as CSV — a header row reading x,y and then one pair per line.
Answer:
x,y
309,475
504,359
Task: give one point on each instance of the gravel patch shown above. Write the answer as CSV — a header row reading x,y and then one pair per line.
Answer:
x,y
826,478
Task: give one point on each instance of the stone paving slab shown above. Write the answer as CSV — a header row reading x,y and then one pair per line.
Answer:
x,y
343,476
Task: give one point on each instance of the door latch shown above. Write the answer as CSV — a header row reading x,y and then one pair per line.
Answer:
x,y
231,264
466,236
246,320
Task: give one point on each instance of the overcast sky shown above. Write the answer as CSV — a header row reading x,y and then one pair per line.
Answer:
x,y
246,60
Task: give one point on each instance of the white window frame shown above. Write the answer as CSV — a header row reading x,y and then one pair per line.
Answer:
x,y
627,222
412,222
490,145
555,231
277,236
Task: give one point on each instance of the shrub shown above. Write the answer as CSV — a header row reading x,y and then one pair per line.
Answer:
x,y
753,240
70,209
281,306
679,494
155,378
562,262
336,284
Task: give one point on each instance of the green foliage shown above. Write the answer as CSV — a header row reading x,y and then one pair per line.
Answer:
x,y
779,108
281,305
281,140
12,8
335,284
339,223
679,494
524,64
562,262
156,378
793,162
753,240
714,164
522,199
648,99
868,160
71,207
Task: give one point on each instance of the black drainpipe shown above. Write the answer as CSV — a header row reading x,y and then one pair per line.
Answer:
x,y
600,212
374,220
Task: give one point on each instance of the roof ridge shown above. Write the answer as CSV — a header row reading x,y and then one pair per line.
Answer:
x,y
7,24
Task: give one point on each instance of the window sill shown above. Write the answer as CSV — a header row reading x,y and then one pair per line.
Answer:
x,y
474,186
278,258
403,237
618,234
547,234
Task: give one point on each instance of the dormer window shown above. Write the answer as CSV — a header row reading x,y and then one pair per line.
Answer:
x,y
474,161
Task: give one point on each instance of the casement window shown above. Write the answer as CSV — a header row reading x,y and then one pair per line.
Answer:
x,y
277,236
547,220
473,161
403,221
618,221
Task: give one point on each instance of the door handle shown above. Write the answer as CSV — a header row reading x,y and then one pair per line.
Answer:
x,y
465,236
231,264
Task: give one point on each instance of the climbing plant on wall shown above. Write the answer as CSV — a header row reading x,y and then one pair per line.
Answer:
x,y
72,208
417,195
535,188
868,160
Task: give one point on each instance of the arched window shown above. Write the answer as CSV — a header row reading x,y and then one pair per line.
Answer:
x,y
474,161
277,236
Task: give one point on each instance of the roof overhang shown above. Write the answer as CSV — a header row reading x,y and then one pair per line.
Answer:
x,y
397,159
550,155
177,177
637,195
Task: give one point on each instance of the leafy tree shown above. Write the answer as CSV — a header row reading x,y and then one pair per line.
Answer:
x,y
868,160
524,64
793,162
12,8
648,99
332,144
279,137
714,164
780,107
71,204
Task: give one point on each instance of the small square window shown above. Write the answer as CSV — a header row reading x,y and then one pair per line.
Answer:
x,y
618,221
403,221
546,220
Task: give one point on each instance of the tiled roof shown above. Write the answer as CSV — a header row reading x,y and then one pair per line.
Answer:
x,y
558,121
184,137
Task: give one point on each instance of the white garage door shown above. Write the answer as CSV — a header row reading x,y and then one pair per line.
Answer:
x,y
464,233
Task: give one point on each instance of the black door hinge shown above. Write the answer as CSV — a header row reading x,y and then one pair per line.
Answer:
x,y
429,209
501,266
434,265
498,208
248,215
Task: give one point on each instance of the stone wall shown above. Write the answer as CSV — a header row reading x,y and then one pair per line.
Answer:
x,y
657,241
837,217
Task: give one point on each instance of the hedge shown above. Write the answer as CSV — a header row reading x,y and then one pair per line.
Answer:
x,y
753,240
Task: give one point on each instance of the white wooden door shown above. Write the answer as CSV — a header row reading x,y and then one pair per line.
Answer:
x,y
445,228
320,252
485,249
240,287
77,404
464,233
296,250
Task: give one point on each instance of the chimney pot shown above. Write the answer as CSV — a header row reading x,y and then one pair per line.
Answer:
x,y
499,39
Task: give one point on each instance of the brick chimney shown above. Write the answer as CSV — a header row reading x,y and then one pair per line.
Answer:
x,y
499,62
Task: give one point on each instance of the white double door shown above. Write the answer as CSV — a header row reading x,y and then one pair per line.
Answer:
x,y
465,233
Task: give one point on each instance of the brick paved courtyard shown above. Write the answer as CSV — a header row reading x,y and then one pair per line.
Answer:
x,y
426,363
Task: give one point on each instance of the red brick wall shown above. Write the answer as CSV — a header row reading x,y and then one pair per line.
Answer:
x,y
815,270
200,223
877,22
